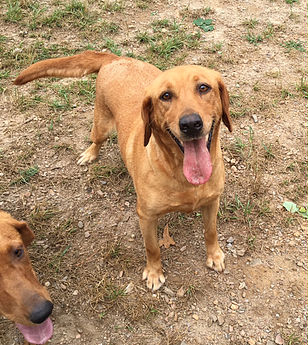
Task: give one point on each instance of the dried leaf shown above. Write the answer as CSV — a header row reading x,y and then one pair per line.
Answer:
x,y
167,240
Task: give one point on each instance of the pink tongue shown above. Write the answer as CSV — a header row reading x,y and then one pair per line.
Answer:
x,y
39,334
197,166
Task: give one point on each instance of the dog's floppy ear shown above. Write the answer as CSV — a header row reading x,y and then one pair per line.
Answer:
x,y
224,97
146,113
26,233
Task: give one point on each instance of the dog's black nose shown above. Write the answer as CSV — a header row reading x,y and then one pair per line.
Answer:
x,y
41,312
191,125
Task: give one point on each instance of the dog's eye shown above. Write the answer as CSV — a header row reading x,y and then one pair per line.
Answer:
x,y
203,88
166,96
18,253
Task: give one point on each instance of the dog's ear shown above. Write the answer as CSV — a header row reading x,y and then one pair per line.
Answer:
x,y
224,97
146,113
26,233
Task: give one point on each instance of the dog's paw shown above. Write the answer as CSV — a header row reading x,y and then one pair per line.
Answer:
x,y
215,260
89,155
155,278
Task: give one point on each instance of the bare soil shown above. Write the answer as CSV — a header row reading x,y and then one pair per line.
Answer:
x,y
88,249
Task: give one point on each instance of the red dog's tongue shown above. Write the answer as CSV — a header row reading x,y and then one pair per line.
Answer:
x,y
197,166
38,334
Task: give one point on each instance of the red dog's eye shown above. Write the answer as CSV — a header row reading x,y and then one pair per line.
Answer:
x,y
166,96
18,253
203,88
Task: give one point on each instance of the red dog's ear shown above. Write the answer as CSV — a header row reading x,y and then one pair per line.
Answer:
x,y
146,113
224,97
26,233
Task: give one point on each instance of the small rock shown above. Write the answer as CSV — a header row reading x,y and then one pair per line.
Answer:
x,y
196,317
230,240
255,118
63,287
234,168
129,288
75,293
78,336
168,291
242,333
269,342
234,306
279,340
181,292
182,249
214,318
255,262
251,341
47,284
299,264
220,320
241,252
87,234
80,225
242,286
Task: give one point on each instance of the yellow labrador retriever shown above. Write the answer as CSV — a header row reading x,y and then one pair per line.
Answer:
x,y
168,132
22,298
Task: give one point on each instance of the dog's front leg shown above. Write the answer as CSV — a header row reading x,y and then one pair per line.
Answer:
x,y
153,271
215,256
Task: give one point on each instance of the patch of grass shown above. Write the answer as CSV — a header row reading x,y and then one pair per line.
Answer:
x,y
165,45
14,12
143,4
75,14
268,151
297,45
26,175
112,46
253,38
303,86
251,23
291,2
113,6
110,27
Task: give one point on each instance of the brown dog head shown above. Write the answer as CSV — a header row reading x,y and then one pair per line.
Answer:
x,y
22,298
189,102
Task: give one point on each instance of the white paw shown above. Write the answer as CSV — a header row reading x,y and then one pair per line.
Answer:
x,y
155,278
215,260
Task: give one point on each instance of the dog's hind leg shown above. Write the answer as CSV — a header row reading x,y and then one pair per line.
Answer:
x,y
102,126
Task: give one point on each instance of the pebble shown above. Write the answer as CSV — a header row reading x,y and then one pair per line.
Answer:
x,y
129,288
220,320
181,292
269,342
251,341
80,225
168,291
242,286
255,262
75,293
279,340
182,249
230,240
196,317
47,284
255,118
87,234
63,286
241,252
234,306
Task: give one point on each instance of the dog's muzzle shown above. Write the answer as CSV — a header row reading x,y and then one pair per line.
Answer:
x,y
209,140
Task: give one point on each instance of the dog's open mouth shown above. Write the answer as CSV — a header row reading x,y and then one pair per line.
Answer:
x,y
197,165
38,334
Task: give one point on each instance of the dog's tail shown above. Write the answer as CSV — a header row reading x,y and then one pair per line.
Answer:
x,y
73,66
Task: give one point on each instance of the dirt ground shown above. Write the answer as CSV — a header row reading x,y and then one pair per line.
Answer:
x,y
88,249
